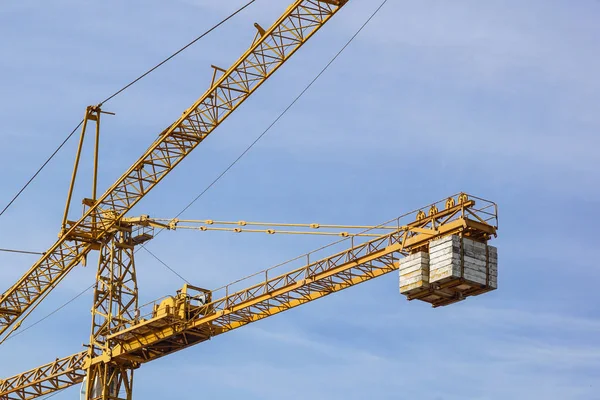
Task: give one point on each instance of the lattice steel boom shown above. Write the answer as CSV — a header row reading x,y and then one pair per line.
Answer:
x,y
195,315
269,50
57,375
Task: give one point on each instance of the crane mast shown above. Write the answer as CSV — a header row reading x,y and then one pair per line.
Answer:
x,y
195,315
270,49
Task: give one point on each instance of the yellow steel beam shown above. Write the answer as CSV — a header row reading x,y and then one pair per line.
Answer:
x,y
114,309
204,228
299,229
267,53
175,223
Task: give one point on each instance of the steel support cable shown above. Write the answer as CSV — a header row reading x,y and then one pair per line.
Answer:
x,y
50,314
218,178
15,197
177,52
21,251
285,110
250,146
17,333
165,264
81,294
87,290
133,82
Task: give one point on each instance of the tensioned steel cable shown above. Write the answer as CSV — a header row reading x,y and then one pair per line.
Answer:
x,y
87,290
285,110
50,314
165,264
133,82
269,128
41,168
177,52
21,251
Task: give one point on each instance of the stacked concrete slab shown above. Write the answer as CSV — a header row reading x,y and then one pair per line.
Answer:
x,y
451,271
477,262
414,273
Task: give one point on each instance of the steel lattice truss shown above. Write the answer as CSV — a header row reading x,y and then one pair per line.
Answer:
x,y
57,375
157,336
269,50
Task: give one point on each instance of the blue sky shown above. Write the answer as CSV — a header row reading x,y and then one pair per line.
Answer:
x,y
497,98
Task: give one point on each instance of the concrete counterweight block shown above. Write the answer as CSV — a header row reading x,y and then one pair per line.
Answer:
x,y
414,273
451,271
451,259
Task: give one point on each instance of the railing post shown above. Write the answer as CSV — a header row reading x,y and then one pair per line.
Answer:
x,y
227,296
266,281
307,270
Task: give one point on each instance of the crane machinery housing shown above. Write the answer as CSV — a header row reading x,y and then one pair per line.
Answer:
x,y
440,250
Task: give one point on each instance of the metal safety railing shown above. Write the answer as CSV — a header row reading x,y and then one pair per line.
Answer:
x,y
369,240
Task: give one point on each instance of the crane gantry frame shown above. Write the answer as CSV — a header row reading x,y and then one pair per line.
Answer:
x,y
122,338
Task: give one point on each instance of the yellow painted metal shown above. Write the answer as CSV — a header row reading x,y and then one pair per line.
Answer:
x,y
89,116
92,114
194,315
268,51
174,223
96,157
242,226
114,309
204,225
46,379
279,232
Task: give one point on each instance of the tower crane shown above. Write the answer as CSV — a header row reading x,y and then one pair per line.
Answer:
x,y
125,336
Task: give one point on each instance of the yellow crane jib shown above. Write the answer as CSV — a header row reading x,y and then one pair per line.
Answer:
x,y
194,315
268,51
